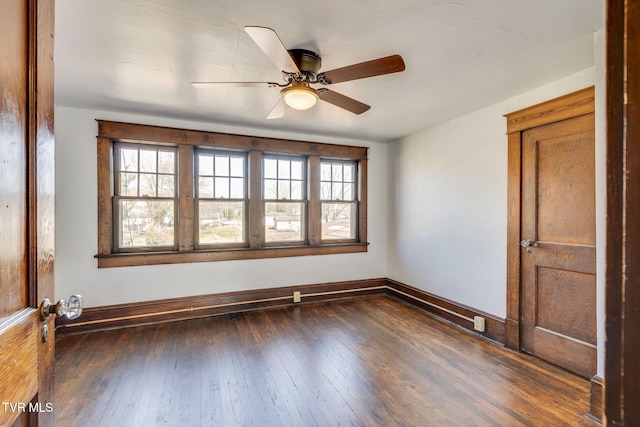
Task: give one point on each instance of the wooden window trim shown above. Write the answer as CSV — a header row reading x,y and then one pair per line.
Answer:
x,y
186,201
186,142
118,131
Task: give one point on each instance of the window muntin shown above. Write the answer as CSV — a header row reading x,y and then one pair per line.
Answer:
x,y
338,199
145,197
221,194
284,178
284,194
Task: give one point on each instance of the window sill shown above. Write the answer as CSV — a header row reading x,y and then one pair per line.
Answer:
x,y
156,258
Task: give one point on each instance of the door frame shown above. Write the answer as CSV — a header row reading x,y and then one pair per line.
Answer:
x,y
565,107
622,292
41,190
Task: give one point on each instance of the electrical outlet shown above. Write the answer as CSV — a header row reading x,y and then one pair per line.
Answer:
x,y
296,296
478,323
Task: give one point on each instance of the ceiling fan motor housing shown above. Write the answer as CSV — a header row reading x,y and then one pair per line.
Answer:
x,y
308,62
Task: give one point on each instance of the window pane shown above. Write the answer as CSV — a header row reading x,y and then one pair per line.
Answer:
x,y
205,164
336,171
338,221
325,191
148,160
146,223
336,191
296,190
166,162
237,188
296,170
284,221
349,174
270,189
221,222
284,169
237,166
349,194
325,171
222,188
205,188
222,165
128,160
270,168
128,184
148,185
284,190
165,186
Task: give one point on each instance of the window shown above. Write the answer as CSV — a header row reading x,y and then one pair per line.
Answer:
x,y
338,198
221,195
173,195
284,199
145,197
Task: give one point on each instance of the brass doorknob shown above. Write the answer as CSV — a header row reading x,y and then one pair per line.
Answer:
x,y
71,309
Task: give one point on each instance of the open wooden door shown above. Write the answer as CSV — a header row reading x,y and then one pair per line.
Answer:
x,y
26,211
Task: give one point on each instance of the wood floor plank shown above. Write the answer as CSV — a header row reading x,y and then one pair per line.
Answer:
x,y
366,361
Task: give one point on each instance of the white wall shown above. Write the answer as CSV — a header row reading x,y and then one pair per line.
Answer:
x,y
76,228
448,202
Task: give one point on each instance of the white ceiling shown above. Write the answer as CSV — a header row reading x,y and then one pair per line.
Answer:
x,y
139,56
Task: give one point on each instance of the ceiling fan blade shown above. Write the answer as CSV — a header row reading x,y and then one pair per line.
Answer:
x,y
342,101
278,110
272,46
376,67
207,85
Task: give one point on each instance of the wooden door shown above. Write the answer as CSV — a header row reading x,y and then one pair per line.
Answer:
x,y
26,211
558,270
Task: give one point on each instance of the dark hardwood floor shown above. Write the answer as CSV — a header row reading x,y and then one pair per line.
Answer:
x,y
372,361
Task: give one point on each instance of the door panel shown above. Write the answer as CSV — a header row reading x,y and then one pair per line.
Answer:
x,y
26,211
558,271
554,288
19,358
13,161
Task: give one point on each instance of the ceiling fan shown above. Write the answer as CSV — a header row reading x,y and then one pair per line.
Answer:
x,y
300,69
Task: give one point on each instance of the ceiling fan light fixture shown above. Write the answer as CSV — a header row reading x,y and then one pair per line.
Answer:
x,y
300,97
